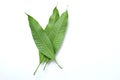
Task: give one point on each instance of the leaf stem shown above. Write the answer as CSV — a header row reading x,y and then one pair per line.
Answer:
x,y
36,69
45,66
58,64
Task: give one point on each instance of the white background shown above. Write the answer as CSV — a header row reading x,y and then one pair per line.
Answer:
x,y
91,49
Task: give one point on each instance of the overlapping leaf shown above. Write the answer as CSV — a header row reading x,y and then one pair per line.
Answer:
x,y
49,41
41,39
57,33
52,20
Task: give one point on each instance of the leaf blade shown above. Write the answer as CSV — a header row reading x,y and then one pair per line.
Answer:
x,y
52,20
58,32
41,39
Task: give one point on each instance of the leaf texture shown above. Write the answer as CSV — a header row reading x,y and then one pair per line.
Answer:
x,y
41,39
49,41
52,20
58,32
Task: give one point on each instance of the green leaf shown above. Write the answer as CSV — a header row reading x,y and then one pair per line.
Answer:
x,y
60,30
49,41
57,33
41,39
52,20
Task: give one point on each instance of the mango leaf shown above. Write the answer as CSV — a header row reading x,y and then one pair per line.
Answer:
x,y
60,30
52,20
57,33
49,41
41,39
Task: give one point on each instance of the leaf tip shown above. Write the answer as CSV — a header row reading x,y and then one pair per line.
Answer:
x,y
67,7
55,9
26,14
56,4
